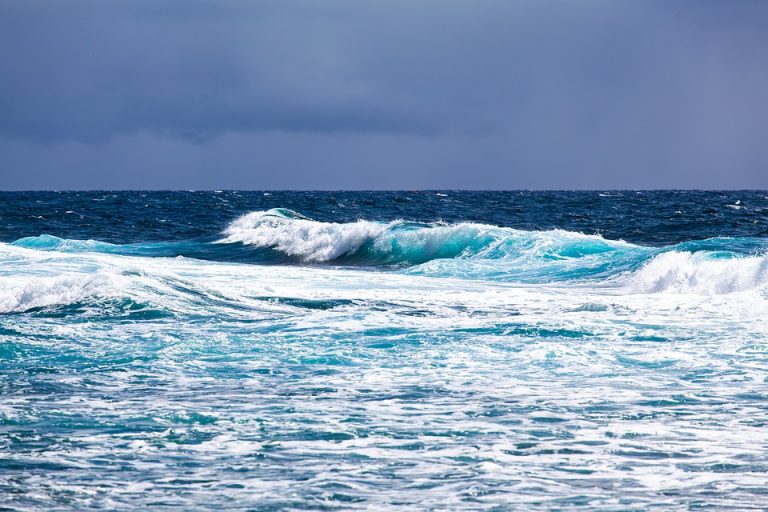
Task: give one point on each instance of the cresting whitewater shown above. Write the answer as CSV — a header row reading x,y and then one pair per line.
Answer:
x,y
410,350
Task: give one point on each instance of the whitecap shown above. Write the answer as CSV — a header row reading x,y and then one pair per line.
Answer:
x,y
700,273
18,294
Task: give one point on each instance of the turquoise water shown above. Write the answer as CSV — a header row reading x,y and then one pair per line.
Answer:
x,y
288,359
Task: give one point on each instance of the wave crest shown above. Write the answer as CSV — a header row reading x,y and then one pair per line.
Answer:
x,y
294,235
400,242
705,272
464,250
19,294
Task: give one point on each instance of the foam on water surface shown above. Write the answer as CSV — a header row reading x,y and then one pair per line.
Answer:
x,y
378,364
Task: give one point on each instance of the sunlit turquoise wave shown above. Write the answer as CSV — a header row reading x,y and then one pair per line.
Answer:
x,y
466,250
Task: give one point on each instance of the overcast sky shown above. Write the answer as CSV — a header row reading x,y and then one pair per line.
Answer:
x,y
330,94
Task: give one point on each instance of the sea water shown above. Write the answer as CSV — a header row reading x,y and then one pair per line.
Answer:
x,y
380,350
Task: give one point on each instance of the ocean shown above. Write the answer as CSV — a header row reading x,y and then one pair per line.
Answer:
x,y
431,350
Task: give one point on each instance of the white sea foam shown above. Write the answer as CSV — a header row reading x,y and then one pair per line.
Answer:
x,y
295,363
700,273
19,294
300,237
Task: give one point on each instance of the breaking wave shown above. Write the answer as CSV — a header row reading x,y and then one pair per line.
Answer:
x,y
401,242
463,250
19,294
704,273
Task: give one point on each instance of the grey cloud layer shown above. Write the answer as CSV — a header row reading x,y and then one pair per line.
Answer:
x,y
500,90
91,72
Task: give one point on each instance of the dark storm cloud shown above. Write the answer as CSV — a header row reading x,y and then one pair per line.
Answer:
x,y
87,71
334,94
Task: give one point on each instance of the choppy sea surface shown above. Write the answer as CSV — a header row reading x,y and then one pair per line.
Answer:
x,y
384,350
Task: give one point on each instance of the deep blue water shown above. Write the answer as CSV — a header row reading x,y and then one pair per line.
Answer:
x,y
642,217
376,350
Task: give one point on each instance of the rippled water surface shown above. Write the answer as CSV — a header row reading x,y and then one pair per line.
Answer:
x,y
414,351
